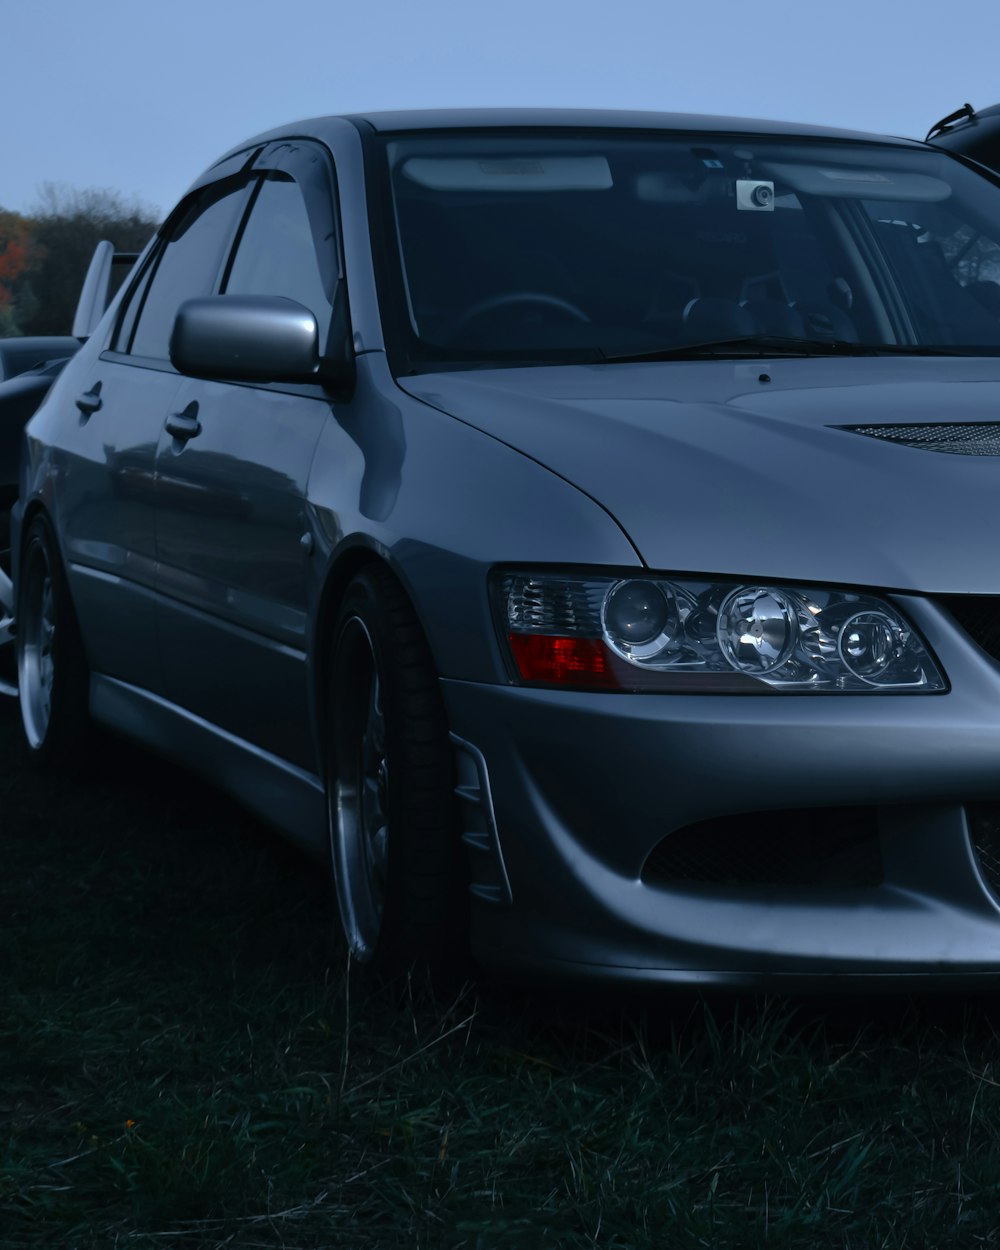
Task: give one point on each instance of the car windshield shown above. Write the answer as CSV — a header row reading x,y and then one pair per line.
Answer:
x,y
514,248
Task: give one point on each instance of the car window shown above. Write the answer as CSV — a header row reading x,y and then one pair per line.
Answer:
x,y
947,268
188,267
129,312
277,253
519,249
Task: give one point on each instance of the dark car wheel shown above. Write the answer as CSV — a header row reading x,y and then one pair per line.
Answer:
x,y
393,833
51,665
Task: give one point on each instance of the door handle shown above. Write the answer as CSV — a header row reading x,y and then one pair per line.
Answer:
x,y
90,401
184,425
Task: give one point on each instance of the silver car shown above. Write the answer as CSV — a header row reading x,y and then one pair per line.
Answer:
x,y
578,530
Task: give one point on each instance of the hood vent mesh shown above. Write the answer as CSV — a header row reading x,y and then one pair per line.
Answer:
x,y
971,438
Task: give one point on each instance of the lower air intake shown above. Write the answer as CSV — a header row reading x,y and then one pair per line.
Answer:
x,y
819,848
979,616
969,438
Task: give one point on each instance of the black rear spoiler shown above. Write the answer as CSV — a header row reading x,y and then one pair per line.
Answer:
x,y
966,111
96,291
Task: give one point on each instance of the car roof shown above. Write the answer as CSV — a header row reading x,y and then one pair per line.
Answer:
x,y
409,120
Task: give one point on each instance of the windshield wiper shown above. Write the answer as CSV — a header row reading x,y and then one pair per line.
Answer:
x,y
741,345
930,349
772,345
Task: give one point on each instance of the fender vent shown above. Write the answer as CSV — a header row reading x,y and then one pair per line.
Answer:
x,y
968,438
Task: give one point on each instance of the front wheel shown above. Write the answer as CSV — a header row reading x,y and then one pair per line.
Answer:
x,y
390,785
52,672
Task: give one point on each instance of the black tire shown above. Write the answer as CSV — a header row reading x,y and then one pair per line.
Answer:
x,y
390,787
52,671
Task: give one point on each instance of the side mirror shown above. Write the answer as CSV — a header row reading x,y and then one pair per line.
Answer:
x,y
246,338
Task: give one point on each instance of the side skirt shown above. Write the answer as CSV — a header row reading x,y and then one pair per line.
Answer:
x,y
286,797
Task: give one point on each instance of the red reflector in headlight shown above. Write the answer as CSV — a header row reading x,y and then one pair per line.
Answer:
x,y
564,661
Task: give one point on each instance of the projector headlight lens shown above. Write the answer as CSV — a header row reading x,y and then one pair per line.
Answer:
x,y
869,643
639,618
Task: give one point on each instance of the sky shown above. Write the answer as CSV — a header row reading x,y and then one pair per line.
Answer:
x,y
141,97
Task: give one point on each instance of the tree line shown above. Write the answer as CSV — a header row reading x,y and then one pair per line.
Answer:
x,y
44,254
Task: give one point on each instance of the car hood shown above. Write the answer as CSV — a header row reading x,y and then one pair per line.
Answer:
x,y
740,468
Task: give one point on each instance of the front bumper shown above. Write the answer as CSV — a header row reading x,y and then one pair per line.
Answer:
x,y
585,786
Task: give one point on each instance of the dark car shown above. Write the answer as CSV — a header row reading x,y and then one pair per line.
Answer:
x,y
974,133
580,527
21,355
27,369
28,366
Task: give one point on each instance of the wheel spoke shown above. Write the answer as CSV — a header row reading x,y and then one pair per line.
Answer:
x,y
37,659
376,717
380,853
51,666
358,802
369,806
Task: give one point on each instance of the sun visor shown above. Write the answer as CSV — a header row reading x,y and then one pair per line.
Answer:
x,y
858,184
510,173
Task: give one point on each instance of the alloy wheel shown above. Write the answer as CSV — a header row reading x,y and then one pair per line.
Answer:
x,y
359,794
36,650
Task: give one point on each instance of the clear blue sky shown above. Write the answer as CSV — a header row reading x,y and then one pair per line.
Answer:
x,y
140,97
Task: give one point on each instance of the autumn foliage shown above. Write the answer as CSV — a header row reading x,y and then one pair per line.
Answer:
x,y
19,253
44,256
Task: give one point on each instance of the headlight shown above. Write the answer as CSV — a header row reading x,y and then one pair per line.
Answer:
x,y
654,633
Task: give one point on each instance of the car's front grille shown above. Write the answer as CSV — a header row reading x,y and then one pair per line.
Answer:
x,y
966,438
984,829
979,616
809,847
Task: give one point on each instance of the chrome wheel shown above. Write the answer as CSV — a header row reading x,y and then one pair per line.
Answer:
x,y
8,684
360,792
53,676
36,646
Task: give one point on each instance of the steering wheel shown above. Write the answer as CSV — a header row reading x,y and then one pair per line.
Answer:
x,y
510,300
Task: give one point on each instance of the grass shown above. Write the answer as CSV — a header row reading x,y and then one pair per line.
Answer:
x,y
188,1061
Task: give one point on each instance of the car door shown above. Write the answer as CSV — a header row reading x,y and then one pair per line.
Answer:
x,y
233,536
107,483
